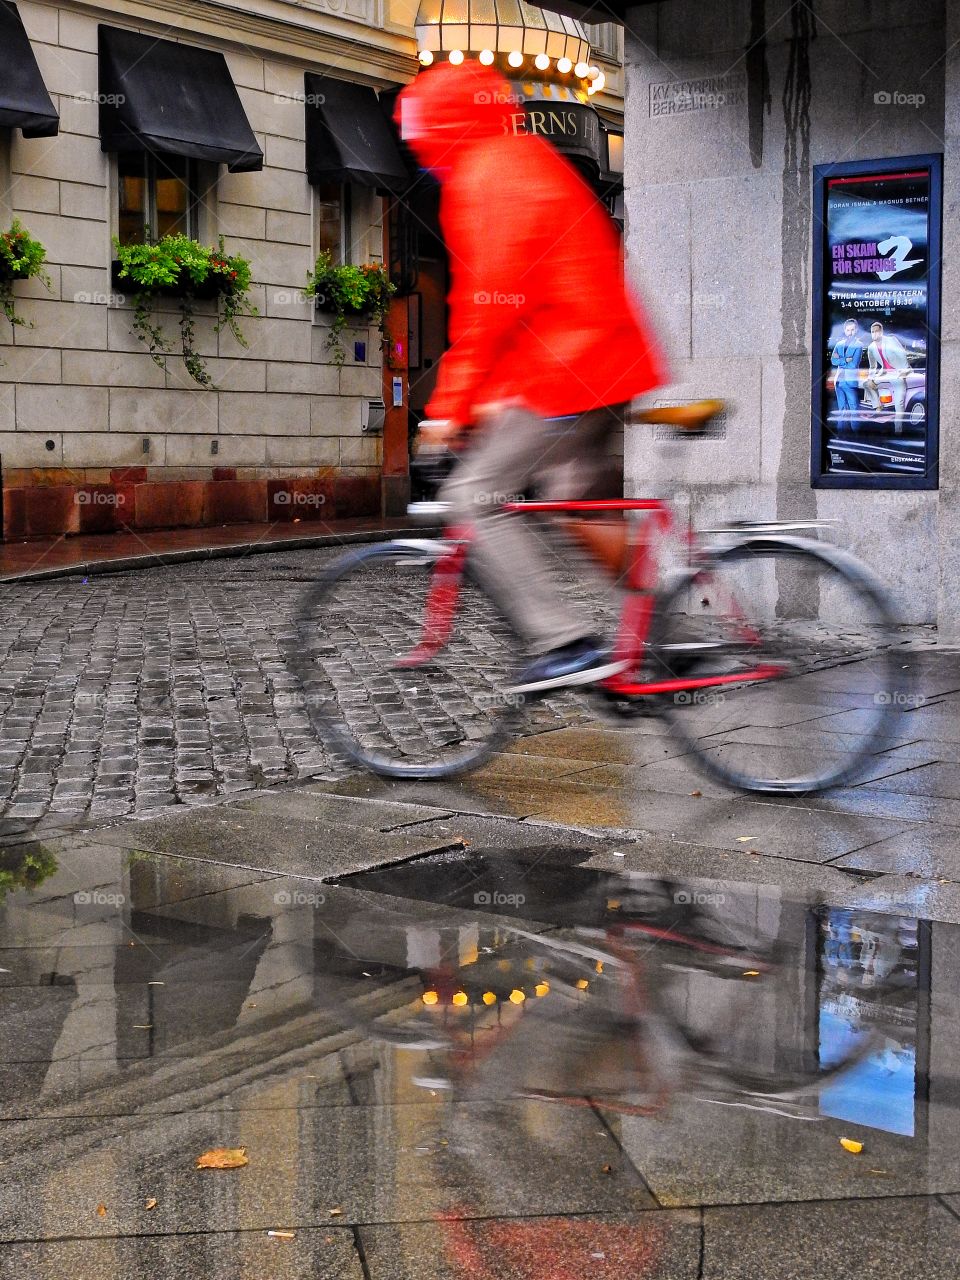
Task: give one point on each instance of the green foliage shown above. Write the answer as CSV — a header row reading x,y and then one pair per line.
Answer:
x,y
177,266
21,258
349,292
24,867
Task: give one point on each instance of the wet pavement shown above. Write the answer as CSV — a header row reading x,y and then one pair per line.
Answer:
x,y
566,1016
456,1045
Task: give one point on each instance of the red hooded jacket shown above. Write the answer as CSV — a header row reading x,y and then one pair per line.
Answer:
x,y
538,307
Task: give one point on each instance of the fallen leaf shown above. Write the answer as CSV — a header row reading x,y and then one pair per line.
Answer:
x,y
223,1158
696,793
335,1213
151,1203
850,1145
281,1235
606,1168
101,1210
744,839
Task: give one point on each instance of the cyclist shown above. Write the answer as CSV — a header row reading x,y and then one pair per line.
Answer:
x,y
541,327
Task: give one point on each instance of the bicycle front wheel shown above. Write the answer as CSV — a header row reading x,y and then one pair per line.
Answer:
x,y
380,689
816,615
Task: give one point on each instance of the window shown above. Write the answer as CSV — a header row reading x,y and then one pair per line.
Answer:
x,y
605,39
331,220
158,196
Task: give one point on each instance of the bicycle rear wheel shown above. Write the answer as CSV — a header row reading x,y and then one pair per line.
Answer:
x,y
376,702
814,613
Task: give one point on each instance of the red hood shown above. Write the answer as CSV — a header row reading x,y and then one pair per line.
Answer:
x,y
448,106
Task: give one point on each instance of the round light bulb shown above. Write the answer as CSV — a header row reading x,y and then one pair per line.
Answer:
x,y
516,996
489,998
564,65
515,59
592,73
581,69
456,56
598,84
486,57
460,999
541,62
426,57
542,989
430,997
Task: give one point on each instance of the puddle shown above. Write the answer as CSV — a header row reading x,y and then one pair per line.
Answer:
x,y
577,1058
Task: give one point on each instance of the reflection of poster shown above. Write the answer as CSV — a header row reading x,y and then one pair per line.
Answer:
x,y
877,314
869,986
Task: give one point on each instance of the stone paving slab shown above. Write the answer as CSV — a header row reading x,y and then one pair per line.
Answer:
x,y
373,1164
741,1145
268,840
327,1253
915,1239
598,1246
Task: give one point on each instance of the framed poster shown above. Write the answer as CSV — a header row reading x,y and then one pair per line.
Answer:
x,y
876,324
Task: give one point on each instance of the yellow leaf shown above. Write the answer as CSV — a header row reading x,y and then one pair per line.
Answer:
x,y
101,1210
744,839
849,1144
223,1158
281,1235
335,1213
151,1203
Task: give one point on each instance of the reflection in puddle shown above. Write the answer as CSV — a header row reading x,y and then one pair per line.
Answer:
x,y
482,1036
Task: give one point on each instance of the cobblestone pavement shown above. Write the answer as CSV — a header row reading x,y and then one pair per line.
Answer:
x,y
130,692
127,693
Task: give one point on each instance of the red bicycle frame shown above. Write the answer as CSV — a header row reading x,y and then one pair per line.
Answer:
x,y
636,616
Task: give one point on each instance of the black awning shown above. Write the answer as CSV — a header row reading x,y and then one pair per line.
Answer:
x,y
348,138
24,101
556,113
160,96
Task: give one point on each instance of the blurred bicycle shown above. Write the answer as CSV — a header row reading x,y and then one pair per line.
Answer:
x,y
407,664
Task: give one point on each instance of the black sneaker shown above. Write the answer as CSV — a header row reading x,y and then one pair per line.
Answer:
x,y
582,662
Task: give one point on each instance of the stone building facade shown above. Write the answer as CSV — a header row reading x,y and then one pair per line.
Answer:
x,y
722,231
93,434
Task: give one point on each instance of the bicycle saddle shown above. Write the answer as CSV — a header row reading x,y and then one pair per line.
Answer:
x,y
687,417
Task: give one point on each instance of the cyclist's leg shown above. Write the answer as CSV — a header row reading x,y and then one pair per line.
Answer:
x,y
516,446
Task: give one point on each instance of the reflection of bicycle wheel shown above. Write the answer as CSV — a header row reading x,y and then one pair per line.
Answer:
x,y
376,689
815,615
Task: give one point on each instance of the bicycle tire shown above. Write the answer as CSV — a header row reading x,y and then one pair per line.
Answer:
x,y
886,700
326,703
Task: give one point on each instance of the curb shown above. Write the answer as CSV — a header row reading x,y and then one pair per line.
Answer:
x,y
181,555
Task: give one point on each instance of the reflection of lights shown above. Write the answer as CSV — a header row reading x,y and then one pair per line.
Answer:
x,y
430,997
751,973
592,73
486,57
456,56
488,997
613,904
582,984
599,966
517,996
600,81
564,65
426,57
503,966
515,59
542,989
541,62
459,999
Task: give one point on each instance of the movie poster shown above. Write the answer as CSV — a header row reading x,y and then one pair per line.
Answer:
x,y
875,388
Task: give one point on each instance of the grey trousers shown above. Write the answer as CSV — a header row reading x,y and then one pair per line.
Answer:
x,y
564,458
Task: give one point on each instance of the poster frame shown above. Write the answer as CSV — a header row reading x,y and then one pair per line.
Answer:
x,y
819,478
